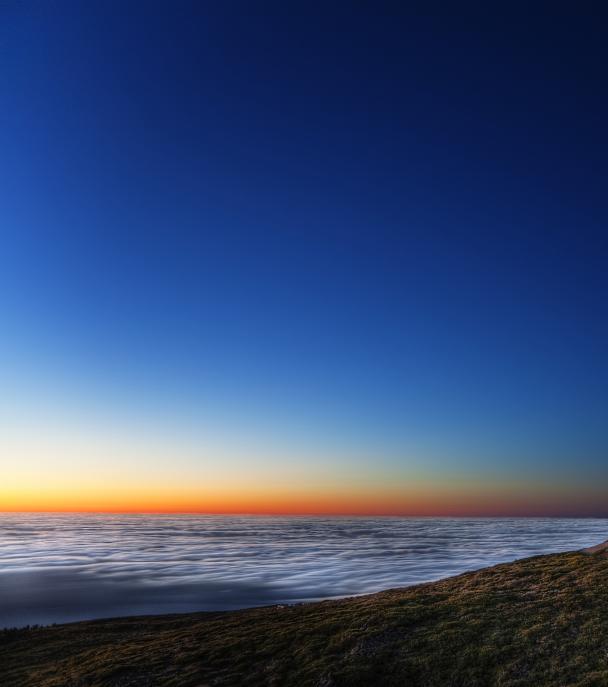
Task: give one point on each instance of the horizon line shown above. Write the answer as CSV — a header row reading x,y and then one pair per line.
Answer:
x,y
270,514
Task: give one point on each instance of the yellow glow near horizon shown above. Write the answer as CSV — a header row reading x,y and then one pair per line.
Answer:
x,y
332,497
51,470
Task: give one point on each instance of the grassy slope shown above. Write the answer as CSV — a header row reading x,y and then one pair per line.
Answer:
x,y
540,621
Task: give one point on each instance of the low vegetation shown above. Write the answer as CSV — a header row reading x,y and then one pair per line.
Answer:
x,y
539,621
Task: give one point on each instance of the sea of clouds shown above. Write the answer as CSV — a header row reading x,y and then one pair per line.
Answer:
x,y
59,568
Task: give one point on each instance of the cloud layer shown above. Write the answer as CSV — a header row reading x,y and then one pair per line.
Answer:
x,y
58,568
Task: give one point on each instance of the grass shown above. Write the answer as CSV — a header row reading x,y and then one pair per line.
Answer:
x,y
536,622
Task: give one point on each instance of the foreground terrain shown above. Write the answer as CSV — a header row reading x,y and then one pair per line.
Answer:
x,y
539,621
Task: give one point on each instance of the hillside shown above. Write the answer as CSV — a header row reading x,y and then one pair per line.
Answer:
x,y
539,621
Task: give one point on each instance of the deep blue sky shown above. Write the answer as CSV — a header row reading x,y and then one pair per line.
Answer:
x,y
365,224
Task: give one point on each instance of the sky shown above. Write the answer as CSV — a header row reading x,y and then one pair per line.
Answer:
x,y
303,258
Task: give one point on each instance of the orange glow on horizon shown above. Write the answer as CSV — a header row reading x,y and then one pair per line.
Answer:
x,y
454,501
94,471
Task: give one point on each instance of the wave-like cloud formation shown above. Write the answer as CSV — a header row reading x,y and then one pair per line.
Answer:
x,y
59,568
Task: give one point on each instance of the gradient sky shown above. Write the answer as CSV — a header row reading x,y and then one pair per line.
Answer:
x,y
339,258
